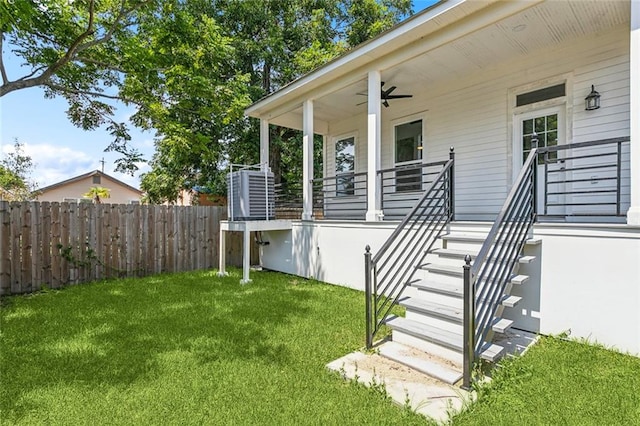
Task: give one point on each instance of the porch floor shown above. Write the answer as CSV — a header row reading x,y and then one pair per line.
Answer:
x,y
407,387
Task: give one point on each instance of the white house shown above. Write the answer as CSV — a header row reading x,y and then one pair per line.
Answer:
x,y
485,78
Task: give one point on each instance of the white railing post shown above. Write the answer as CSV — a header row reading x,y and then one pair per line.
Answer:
x,y
633,215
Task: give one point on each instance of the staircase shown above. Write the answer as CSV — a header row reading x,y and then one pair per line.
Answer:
x,y
433,323
454,286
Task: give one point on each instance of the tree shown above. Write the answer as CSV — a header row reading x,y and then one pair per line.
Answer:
x,y
188,67
15,175
97,194
160,56
271,43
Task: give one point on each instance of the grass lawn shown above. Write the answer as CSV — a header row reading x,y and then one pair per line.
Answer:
x,y
561,382
197,349
186,349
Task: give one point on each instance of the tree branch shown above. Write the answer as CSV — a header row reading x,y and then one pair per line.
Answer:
x,y
40,80
32,73
123,13
73,91
3,71
100,63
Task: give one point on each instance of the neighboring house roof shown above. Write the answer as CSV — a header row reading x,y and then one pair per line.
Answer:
x,y
86,175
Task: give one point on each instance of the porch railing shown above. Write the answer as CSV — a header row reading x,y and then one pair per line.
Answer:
x,y
402,187
288,200
343,196
587,179
394,266
485,281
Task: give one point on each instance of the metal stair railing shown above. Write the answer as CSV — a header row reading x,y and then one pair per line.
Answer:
x,y
486,279
394,266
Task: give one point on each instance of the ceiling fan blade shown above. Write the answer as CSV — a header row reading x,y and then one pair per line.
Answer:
x,y
386,93
399,96
385,103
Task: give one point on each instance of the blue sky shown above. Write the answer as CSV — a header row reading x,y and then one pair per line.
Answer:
x,y
59,149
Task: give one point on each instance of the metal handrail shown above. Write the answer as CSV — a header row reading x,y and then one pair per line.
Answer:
x,y
394,266
486,279
574,169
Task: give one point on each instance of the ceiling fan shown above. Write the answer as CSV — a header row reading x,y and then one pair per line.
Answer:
x,y
385,95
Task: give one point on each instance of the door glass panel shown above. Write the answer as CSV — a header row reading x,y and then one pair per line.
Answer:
x,y
345,166
408,150
546,128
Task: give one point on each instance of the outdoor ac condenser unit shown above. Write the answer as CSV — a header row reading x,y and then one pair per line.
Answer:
x,y
251,195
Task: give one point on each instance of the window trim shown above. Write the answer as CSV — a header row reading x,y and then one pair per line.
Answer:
x,y
335,174
564,103
398,122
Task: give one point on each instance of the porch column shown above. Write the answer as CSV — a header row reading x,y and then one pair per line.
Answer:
x,y
373,147
633,216
264,144
307,159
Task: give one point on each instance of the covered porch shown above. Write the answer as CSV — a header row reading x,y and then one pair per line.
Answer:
x,y
483,78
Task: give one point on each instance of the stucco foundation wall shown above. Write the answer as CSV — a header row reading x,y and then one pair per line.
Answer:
x,y
332,252
590,283
586,278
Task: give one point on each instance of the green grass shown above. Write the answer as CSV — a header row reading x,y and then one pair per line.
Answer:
x,y
198,349
559,382
186,349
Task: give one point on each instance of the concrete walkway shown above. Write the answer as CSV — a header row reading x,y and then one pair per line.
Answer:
x,y
409,388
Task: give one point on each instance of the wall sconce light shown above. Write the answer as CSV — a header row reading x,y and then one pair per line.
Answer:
x,y
592,101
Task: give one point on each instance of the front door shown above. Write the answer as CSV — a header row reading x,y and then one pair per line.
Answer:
x,y
547,125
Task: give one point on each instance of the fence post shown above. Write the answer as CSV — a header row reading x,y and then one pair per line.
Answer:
x,y
452,157
468,325
367,293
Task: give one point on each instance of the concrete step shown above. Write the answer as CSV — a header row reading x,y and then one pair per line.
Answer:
x,y
460,254
479,238
457,272
437,310
438,268
490,352
501,325
453,290
420,361
454,253
426,332
511,301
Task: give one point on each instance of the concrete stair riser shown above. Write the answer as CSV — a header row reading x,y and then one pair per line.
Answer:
x,y
435,322
428,347
442,299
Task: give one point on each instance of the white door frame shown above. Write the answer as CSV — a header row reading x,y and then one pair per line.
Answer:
x,y
518,119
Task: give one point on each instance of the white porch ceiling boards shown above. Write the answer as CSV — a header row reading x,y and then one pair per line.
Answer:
x,y
543,25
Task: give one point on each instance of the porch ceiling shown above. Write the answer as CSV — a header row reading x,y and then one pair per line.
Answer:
x,y
540,26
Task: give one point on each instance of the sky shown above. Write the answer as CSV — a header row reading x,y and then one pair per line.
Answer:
x,y
59,149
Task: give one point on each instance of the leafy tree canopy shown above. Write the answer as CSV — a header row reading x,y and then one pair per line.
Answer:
x,y
97,194
189,67
15,175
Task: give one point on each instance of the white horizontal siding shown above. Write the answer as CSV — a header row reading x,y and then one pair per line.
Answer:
x,y
473,115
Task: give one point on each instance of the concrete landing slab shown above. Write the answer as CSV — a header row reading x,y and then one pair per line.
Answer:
x,y
405,386
514,341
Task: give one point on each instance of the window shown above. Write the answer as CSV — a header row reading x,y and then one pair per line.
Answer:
x,y
345,166
546,128
540,95
408,154
96,179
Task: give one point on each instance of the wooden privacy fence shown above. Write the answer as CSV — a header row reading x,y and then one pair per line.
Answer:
x,y
56,244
